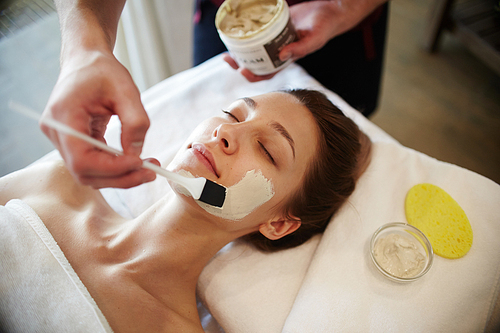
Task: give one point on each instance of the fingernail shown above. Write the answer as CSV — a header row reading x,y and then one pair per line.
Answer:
x,y
150,177
136,148
285,56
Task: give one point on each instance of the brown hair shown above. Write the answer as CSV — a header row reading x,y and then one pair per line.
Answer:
x,y
342,156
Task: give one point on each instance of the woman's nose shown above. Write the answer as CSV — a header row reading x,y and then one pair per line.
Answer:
x,y
226,135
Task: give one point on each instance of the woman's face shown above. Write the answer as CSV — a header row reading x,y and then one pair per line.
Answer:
x,y
272,134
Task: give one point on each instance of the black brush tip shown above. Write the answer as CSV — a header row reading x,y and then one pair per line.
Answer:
x,y
213,194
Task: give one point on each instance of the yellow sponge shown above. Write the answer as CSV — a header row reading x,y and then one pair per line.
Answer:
x,y
433,211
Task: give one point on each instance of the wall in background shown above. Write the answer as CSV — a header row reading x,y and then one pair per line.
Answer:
x,y
154,39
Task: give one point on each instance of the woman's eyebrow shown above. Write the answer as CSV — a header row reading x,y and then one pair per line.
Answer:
x,y
250,102
274,125
281,130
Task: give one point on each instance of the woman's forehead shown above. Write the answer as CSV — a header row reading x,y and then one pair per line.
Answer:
x,y
280,106
278,97
285,110
271,105
293,116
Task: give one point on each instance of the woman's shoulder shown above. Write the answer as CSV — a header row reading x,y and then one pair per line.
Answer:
x,y
44,179
27,181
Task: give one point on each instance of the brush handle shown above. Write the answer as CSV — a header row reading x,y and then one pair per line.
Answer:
x,y
101,145
62,128
194,185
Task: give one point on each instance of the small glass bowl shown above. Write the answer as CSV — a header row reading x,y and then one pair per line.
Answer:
x,y
405,230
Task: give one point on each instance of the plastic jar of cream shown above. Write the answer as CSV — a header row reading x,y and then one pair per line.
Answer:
x,y
255,31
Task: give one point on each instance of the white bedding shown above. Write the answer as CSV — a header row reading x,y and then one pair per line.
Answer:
x,y
329,283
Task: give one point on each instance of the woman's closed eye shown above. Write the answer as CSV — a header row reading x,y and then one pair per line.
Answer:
x,y
266,152
231,115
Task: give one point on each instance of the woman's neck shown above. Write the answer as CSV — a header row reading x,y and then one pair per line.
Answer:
x,y
170,242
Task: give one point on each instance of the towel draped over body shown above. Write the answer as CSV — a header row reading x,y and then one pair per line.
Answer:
x,y
39,290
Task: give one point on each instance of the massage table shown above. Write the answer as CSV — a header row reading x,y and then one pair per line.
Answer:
x,y
329,283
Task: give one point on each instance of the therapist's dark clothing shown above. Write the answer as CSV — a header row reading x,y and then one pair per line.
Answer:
x,y
349,65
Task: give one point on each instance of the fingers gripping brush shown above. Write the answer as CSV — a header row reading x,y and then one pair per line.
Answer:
x,y
200,188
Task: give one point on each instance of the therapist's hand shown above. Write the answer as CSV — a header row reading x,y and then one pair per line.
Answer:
x,y
316,23
91,88
245,72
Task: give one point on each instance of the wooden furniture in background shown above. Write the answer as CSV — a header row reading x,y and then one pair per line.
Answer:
x,y
476,23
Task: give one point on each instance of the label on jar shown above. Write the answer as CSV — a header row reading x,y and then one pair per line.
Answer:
x,y
274,47
264,59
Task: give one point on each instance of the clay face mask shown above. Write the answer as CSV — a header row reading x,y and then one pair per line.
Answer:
x,y
399,255
242,198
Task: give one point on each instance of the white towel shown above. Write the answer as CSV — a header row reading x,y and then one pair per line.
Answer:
x,y
342,290
39,290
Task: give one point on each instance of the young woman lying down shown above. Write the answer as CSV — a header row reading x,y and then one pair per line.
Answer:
x,y
289,159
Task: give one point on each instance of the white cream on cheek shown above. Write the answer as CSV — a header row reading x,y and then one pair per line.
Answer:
x,y
252,191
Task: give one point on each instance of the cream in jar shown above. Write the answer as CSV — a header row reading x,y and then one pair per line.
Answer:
x,y
399,255
247,16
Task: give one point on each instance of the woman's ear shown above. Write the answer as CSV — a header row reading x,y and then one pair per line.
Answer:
x,y
276,229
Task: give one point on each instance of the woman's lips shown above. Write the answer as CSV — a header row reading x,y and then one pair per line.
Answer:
x,y
205,157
